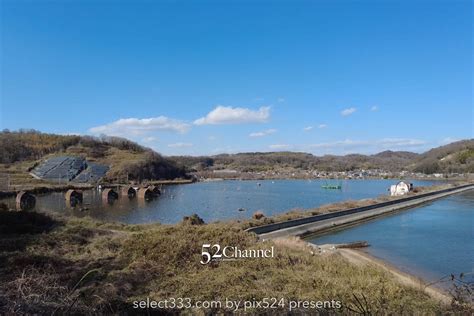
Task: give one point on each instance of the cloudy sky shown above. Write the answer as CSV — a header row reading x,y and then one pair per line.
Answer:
x,y
206,78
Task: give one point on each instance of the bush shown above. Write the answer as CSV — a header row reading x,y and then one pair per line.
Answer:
x,y
193,220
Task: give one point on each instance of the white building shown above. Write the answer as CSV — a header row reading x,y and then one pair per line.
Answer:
x,y
401,188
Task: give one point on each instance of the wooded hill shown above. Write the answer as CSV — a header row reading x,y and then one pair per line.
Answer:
x,y
457,157
127,160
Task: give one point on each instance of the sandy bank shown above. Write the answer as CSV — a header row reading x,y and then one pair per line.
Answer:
x,y
358,257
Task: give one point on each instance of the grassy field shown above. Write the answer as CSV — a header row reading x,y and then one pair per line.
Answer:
x,y
17,175
81,266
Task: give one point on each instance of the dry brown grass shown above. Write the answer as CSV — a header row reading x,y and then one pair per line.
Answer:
x,y
292,242
81,266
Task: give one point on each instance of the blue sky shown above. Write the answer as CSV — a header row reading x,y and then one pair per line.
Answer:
x,y
206,77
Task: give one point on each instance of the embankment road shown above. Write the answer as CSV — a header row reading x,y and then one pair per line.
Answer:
x,y
325,222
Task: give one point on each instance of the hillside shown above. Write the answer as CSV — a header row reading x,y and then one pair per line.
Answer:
x,y
255,162
22,151
127,161
457,157
403,155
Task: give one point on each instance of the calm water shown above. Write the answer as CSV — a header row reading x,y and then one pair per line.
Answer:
x,y
221,200
430,241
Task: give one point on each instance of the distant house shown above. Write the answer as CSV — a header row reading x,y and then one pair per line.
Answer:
x,y
401,188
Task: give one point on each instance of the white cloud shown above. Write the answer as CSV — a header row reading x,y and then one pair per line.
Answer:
x,y
279,146
225,150
348,111
448,140
400,142
230,115
180,145
71,134
368,146
309,128
263,133
281,100
385,142
374,108
135,126
339,143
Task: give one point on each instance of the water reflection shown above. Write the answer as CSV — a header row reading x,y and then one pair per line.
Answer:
x,y
220,200
432,241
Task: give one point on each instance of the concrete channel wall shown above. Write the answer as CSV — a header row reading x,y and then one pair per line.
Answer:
x,y
324,222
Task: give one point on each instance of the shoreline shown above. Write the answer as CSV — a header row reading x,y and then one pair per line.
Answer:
x,y
212,179
49,188
322,223
347,258
53,187
124,253
359,257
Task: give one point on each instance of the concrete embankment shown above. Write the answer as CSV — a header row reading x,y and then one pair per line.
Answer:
x,y
321,223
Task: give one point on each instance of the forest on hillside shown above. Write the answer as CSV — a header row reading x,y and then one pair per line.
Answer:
x,y
128,160
138,162
457,157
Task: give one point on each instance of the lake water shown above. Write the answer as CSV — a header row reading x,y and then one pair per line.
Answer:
x,y
431,241
221,200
